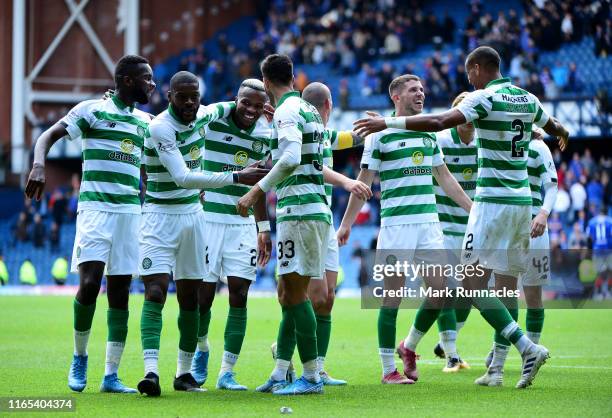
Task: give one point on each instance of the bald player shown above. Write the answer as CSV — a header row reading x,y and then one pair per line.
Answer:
x,y
172,238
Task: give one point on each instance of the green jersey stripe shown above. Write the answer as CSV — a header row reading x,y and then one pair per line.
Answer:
x,y
458,151
505,200
500,182
408,153
121,118
407,191
300,200
237,191
109,177
406,135
187,200
222,208
500,126
83,125
502,164
447,217
408,210
114,136
106,155
309,217
299,179
118,199
496,145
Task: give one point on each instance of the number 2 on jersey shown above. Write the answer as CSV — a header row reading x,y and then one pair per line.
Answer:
x,y
518,151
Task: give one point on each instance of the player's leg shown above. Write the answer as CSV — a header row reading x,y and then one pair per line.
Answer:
x,y
188,321
84,307
535,312
322,294
156,289
235,330
239,265
502,246
206,296
501,346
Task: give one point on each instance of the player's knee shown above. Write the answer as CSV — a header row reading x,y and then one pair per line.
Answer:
x,y
155,293
331,298
238,298
88,290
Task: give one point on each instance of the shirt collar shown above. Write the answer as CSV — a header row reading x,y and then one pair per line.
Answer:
x,y
287,95
175,116
232,124
120,104
455,135
502,80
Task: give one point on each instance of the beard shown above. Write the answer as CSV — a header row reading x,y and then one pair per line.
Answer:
x,y
140,96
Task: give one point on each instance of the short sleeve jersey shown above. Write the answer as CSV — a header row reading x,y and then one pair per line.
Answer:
x,y
405,161
503,116
113,136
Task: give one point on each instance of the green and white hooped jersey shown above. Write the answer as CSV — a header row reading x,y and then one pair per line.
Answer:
x,y
301,196
113,136
229,148
163,195
542,170
333,141
503,116
405,161
461,160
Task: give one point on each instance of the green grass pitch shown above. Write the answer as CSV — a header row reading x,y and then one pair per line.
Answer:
x,y
36,348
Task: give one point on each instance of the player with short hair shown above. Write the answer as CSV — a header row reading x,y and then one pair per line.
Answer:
x,y
407,162
543,185
173,232
458,146
238,139
503,116
303,221
108,214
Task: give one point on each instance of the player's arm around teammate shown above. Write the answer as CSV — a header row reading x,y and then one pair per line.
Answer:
x,y
109,208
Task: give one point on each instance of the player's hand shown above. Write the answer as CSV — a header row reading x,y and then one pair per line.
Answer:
x,y
268,111
264,248
251,175
373,114
563,140
36,182
343,234
359,189
248,200
538,224
367,126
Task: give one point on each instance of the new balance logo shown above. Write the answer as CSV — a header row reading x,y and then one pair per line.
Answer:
x,y
111,124
456,160
228,138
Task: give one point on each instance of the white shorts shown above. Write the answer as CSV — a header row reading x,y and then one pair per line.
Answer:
x,y
231,251
107,237
410,239
538,266
497,236
301,247
332,261
173,243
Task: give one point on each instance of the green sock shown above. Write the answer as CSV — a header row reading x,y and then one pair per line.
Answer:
x,y
493,311
426,316
387,318
324,324
512,305
204,323
188,330
83,315
235,329
151,325
535,323
305,330
285,342
117,320
446,320
462,309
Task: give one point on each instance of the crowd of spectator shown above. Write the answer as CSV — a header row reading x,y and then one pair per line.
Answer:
x,y
40,221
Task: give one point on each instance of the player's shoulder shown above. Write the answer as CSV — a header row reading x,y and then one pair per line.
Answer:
x,y
90,106
444,138
161,125
142,115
